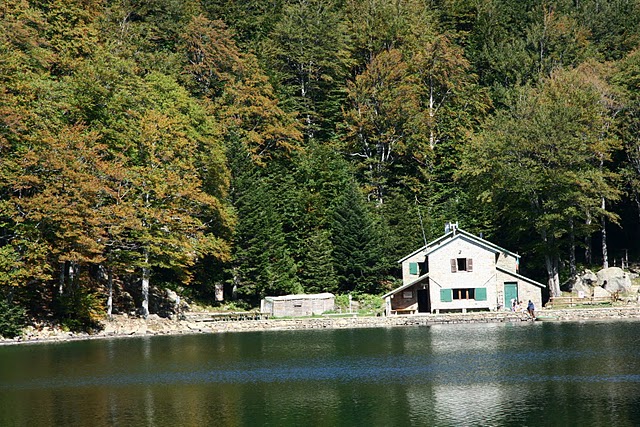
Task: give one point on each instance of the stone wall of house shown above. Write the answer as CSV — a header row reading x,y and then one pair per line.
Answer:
x,y
526,291
407,277
482,274
506,261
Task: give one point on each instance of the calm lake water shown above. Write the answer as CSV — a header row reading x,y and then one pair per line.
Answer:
x,y
543,373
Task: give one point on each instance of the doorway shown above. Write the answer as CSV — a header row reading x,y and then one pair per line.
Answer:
x,y
424,304
510,293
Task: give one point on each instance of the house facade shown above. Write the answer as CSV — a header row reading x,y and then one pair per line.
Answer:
x,y
460,272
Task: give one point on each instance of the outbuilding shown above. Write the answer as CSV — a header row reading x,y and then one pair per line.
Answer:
x,y
298,305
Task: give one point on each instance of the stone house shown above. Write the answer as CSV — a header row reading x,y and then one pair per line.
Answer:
x,y
460,272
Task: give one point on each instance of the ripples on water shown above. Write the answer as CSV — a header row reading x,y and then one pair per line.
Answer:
x,y
442,375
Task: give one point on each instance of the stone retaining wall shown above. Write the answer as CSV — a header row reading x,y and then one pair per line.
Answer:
x,y
122,326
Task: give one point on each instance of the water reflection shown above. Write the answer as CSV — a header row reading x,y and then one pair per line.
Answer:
x,y
445,375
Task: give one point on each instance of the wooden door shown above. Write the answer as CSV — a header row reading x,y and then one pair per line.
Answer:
x,y
510,293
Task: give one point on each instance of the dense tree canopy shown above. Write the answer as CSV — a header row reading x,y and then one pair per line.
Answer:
x,y
306,145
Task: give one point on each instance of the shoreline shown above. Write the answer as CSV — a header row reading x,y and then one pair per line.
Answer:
x,y
123,326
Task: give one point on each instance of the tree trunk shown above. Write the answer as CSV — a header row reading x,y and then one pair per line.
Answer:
x,y
552,272
145,285
551,263
605,256
587,242
432,113
572,251
110,293
61,277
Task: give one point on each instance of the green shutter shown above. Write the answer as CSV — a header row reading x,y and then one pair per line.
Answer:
x,y
481,294
413,268
446,295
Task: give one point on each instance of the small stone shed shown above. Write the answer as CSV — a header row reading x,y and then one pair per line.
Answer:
x,y
298,305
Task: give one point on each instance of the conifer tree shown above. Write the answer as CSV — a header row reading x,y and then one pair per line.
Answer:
x,y
262,263
317,270
357,251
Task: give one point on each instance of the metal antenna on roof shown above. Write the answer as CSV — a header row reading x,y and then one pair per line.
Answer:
x,y
424,236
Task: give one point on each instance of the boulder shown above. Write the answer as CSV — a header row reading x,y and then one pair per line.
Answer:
x,y
576,285
614,279
601,292
584,282
589,278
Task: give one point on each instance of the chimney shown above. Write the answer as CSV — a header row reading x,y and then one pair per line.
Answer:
x,y
450,226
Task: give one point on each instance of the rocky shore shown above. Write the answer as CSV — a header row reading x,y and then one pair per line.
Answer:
x,y
200,323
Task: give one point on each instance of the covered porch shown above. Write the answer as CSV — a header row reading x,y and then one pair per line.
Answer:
x,y
410,298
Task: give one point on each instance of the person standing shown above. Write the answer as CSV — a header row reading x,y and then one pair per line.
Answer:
x,y
531,309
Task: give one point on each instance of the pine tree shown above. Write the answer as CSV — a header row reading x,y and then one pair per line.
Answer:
x,y
262,263
357,251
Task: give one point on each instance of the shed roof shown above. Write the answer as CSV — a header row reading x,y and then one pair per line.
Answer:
x,y
520,276
405,286
455,234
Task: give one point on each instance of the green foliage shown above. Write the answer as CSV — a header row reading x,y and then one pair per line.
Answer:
x,y
308,56
80,309
342,302
262,260
12,319
304,146
370,304
357,250
317,272
541,163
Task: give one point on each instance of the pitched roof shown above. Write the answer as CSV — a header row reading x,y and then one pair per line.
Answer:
x,y
454,235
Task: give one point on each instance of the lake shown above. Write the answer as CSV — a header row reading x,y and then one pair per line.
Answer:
x,y
519,374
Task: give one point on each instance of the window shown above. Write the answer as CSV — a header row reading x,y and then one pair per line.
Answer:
x,y
478,294
461,264
416,268
413,268
407,294
468,293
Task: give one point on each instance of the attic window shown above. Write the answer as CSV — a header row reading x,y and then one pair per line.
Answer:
x,y
461,264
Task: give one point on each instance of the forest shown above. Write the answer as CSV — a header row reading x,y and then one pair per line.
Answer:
x,y
288,146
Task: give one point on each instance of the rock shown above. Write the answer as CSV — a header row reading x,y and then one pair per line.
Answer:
x,y
601,292
589,278
576,285
614,279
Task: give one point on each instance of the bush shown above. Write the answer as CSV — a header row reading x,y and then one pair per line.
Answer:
x,y
342,303
370,304
12,319
80,310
